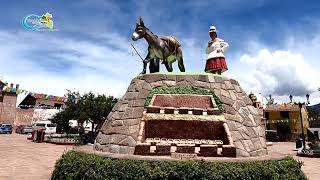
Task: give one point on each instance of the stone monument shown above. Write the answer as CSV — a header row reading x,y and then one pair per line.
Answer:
x,y
175,114
204,114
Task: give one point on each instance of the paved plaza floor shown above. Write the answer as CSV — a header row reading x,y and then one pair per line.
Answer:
x,y
311,166
23,159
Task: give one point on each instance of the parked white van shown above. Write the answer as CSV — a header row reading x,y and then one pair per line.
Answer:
x,y
49,127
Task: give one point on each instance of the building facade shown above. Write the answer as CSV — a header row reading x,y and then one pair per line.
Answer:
x,y
285,119
7,107
23,111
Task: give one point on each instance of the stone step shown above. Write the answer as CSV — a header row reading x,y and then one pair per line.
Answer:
x,y
142,149
204,150
169,110
208,150
183,110
154,141
153,109
186,148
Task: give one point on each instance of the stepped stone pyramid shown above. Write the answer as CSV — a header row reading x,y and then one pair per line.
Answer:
x,y
203,114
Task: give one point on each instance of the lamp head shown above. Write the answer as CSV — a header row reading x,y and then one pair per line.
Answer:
x,y
307,96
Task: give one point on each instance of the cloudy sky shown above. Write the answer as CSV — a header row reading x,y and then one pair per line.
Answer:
x,y
274,46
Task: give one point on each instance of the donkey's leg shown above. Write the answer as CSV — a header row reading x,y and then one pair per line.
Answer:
x,y
181,65
156,65
168,66
180,60
145,63
151,66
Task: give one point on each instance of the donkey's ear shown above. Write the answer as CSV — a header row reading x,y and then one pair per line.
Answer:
x,y
141,21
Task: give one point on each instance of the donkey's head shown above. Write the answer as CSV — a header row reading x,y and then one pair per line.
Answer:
x,y
140,30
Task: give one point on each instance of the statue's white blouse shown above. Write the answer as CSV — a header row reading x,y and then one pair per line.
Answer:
x,y
217,48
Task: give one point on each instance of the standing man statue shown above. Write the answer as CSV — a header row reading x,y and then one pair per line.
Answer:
x,y
216,62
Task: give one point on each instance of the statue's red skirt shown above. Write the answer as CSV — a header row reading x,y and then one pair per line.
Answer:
x,y
215,64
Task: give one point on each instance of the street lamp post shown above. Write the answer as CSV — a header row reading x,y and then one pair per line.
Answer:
x,y
264,119
300,107
303,139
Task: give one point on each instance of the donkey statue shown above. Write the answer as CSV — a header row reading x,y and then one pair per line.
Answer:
x,y
166,49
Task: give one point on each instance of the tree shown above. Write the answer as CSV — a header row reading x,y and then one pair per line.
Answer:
x,y
97,108
71,112
91,107
314,114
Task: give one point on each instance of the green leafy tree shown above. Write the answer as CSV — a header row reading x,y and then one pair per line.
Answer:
x,y
91,107
96,109
71,112
313,114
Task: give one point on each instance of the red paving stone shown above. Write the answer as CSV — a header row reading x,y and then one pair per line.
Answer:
x,y
23,159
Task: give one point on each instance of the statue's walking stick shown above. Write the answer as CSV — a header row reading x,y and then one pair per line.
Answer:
x,y
136,51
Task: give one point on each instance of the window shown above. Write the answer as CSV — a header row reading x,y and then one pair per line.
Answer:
x,y
57,105
266,115
41,124
316,133
1,96
51,125
284,114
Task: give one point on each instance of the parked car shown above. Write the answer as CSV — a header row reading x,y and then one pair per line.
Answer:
x,y
49,127
24,129
6,128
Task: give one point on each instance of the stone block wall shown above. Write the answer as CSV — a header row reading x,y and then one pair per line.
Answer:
x,y
119,133
16,116
23,116
8,108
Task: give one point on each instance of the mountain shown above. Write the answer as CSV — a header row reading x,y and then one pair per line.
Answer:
x,y
316,106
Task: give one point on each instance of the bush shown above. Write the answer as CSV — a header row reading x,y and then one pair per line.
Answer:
x,y
77,165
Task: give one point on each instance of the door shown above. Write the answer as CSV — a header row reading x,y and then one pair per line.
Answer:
x,y
316,133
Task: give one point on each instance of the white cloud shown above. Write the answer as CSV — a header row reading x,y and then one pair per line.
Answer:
x,y
279,73
290,68
93,67
282,72
104,64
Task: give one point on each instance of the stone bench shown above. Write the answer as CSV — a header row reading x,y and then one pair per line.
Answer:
x,y
208,150
142,149
228,151
163,149
186,148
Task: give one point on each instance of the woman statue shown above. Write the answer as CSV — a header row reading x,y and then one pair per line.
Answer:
x,y
216,62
